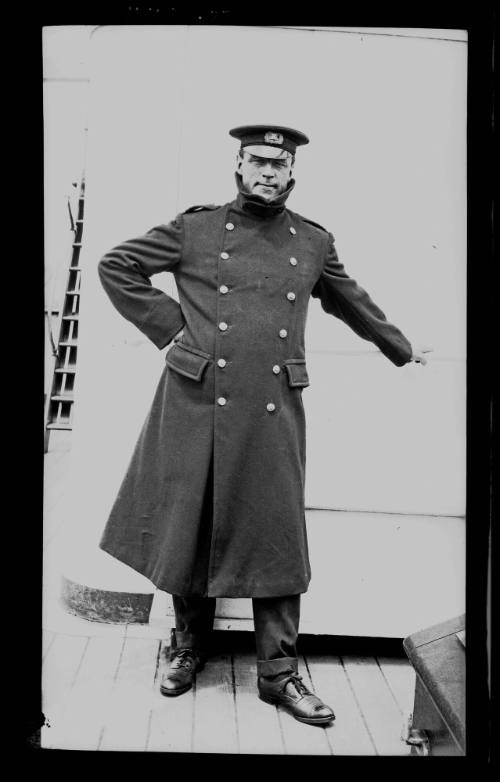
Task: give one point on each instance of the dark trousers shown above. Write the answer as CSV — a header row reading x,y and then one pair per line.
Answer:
x,y
276,621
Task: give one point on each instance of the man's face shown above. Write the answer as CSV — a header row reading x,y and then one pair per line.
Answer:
x,y
265,177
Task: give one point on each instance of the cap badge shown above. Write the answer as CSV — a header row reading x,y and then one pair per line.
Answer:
x,y
273,138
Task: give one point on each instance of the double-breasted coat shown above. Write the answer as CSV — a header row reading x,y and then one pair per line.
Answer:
x,y
212,502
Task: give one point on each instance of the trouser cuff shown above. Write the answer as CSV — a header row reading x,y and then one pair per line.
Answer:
x,y
277,666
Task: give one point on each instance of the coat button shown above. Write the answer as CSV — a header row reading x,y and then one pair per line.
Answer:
x,y
292,230
222,326
276,369
290,296
224,256
270,407
221,362
283,333
293,261
221,401
229,226
224,289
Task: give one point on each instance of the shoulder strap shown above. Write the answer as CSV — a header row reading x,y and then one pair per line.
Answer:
x,y
316,225
200,208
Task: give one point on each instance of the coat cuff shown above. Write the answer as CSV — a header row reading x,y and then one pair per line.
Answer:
x,y
164,322
399,357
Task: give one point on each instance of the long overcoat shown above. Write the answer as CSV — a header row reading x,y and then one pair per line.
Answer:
x,y
212,502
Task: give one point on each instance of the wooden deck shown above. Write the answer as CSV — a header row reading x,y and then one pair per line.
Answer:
x,y
100,683
101,692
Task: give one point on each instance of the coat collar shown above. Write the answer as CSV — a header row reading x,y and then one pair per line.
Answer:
x,y
257,205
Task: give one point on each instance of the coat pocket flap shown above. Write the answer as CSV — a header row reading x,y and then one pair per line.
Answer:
x,y
297,373
186,362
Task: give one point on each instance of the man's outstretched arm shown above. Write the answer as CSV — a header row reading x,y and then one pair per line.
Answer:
x,y
341,296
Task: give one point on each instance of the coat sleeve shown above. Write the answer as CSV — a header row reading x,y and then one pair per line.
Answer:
x,y
125,273
340,295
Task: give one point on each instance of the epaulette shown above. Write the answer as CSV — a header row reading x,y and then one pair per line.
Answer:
x,y
317,225
200,208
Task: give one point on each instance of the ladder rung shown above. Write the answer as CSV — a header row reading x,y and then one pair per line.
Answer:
x,y
59,426
62,398
67,370
69,343
77,244
70,317
80,220
75,268
73,293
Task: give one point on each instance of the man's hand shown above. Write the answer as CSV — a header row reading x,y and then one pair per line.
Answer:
x,y
418,355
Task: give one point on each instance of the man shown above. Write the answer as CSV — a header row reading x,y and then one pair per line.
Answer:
x,y
212,504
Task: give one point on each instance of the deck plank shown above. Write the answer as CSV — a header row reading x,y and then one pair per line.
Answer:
x,y
215,713
300,738
86,704
348,735
400,677
171,720
129,710
58,674
382,714
258,725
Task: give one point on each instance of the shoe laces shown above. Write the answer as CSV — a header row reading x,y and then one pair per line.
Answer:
x,y
296,680
183,658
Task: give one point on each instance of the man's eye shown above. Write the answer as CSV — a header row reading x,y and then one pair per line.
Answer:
x,y
260,162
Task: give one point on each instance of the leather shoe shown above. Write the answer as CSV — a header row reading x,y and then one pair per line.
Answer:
x,y
179,676
291,693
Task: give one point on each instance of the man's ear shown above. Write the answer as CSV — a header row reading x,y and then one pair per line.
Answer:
x,y
239,161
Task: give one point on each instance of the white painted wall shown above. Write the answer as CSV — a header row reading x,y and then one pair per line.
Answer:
x,y
385,172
